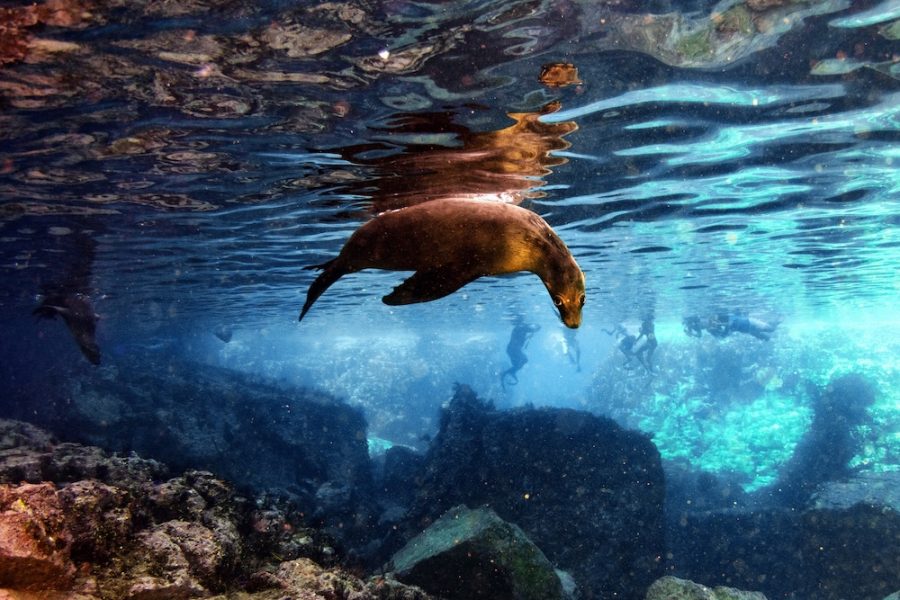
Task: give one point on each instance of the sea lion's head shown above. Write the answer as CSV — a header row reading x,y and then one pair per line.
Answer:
x,y
567,291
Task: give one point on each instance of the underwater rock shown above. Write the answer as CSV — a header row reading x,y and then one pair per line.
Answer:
x,y
302,578
672,588
100,517
30,454
812,553
399,472
193,416
588,493
823,454
469,554
34,541
139,538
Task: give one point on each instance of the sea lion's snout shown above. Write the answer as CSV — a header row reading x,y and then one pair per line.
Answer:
x,y
570,300
570,309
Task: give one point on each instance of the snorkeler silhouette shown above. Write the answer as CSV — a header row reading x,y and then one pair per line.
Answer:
x,y
645,344
70,300
573,348
624,342
515,349
639,347
724,324
693,326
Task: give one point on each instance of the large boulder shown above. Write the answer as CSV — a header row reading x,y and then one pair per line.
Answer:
x,y
588,493
672,588
824,453
35,544
474,554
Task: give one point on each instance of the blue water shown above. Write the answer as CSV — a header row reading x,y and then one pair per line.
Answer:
x,y
211,150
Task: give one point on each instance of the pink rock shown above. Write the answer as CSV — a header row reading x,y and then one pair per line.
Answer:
x,y
34,541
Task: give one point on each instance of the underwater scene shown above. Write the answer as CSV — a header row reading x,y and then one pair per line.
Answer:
x,y
450,299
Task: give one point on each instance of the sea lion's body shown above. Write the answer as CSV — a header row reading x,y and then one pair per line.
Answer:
x,y
449,243
79,316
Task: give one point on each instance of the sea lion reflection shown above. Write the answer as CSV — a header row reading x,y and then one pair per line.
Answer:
x,y
449,243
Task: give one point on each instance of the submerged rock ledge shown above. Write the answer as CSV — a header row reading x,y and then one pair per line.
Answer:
x,y
78,523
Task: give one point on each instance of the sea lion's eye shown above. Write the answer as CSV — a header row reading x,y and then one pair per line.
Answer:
x,y
581,300
557,300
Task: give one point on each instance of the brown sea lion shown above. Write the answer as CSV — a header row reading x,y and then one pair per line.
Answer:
x,y
449,243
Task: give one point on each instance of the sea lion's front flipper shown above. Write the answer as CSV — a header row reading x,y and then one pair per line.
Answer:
x,y
425,286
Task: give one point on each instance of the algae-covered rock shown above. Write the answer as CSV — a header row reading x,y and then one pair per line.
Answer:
x,y
469,554
731,32
672,588
891,31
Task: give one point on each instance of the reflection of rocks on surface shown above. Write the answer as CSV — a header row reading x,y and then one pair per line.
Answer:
x,y
732,31
470,554
588,493
106,527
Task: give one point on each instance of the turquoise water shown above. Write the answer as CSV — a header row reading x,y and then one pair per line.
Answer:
x,y
704,163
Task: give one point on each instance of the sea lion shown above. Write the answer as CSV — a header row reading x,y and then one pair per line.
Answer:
x,y
69,296
449,243
79,316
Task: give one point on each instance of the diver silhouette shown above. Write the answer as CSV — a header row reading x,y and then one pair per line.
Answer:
x,y
573,349
515,349
724,324
645,344
636,347
693,326
624,342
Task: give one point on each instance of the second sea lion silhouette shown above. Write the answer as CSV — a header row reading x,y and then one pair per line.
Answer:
x,y
69,296
449,243
79,316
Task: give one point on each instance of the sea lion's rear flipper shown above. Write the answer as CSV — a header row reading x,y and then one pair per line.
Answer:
x,y
425,286
329,275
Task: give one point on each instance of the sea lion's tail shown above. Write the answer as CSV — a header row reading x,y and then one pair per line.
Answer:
x,y
330,273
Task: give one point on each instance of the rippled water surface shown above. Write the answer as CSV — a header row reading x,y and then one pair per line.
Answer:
x,y
702,155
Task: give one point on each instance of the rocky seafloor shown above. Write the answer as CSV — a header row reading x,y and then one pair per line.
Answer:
x,y
208,485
